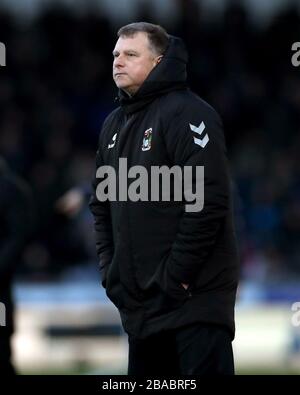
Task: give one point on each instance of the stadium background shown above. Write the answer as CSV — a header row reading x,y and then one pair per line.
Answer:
x,y
55,92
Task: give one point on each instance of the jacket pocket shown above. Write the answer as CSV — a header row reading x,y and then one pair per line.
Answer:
x,y
163,294
117,292
114,288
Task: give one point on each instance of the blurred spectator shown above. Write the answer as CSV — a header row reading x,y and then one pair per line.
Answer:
x,y
70,203
17,221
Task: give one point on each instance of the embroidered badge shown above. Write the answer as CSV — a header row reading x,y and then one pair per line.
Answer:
x,y
147,140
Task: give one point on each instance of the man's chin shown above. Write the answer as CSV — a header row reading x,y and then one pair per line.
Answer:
x,y
120,85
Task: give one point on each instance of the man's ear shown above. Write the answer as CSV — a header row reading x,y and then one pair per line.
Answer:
x,y
158,59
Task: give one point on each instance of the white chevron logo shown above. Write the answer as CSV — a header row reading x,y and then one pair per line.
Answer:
x,y
199,130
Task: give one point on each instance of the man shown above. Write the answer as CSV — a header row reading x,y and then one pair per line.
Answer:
x,y
171,272
17,219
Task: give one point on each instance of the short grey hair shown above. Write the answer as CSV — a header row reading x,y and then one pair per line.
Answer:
x,y
157,35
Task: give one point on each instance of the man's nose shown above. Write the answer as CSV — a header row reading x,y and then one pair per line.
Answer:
x,y
119,62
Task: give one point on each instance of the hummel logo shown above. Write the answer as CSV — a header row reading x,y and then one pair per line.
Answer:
x,y
199,130
111,145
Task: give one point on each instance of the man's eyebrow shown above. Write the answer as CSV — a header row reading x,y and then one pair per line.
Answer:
x,y
131,51
115,52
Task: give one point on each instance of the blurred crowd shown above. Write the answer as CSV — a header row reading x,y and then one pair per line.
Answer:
x,y
57,89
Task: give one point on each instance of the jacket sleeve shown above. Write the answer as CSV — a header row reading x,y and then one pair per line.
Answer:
x,y
102,224
196,138
17,215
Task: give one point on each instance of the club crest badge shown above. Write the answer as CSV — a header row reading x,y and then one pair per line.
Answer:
x,y
147,140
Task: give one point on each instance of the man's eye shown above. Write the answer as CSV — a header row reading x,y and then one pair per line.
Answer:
x,y
131,54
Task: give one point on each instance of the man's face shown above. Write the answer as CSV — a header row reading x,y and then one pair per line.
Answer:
x,y
133,61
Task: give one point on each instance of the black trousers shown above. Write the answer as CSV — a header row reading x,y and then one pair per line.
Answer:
x,y
197,349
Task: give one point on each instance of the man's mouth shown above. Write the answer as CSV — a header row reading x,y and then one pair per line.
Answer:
x,y
118,74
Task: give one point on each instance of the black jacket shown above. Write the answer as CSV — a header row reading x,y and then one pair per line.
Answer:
x,y
148,248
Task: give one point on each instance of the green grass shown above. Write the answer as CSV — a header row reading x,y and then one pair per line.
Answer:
x,y
85,370
267,371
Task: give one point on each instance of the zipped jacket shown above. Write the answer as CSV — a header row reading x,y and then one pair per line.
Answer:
x,y
148,247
